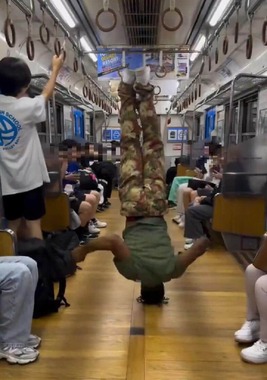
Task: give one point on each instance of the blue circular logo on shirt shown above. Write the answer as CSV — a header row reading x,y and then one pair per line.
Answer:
x,y
8,130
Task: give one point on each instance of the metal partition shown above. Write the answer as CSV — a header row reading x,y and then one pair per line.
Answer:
x,y
245,171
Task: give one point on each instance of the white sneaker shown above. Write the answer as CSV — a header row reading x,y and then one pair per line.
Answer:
x,y
177,219
92,229
34,341
143,75
18,355
249,332
127,76
99,224
182,221
188,243
256,354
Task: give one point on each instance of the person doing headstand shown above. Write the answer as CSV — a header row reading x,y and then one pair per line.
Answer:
x,y
145,253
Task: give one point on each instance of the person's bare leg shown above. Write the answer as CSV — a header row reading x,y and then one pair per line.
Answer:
x,y
92,201
198,249
85,213
193,195
34,229
14,225
187,198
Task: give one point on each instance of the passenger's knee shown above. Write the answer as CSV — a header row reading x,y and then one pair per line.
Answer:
x,y
250,270
91,198
96,194
261,285
22,275
85,207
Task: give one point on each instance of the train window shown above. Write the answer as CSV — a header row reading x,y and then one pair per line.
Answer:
x,y
249,119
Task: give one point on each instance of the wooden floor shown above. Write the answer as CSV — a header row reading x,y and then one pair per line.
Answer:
x,y
107,335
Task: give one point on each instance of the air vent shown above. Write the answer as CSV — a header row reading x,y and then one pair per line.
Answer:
x,y
142,21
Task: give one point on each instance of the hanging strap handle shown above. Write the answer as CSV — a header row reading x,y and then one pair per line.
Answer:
x,y
43,30
172,8
107,10
9,28
29,42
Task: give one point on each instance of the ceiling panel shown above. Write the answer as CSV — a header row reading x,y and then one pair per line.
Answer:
x,y
189,10
139,21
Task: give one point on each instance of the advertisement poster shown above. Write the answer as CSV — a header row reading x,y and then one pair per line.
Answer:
x,y
182,66
177,134
108,65
111,134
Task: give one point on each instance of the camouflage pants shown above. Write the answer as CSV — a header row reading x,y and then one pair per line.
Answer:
x,y
142,188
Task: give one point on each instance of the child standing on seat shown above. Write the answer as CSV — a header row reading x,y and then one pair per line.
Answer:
x,y
22,165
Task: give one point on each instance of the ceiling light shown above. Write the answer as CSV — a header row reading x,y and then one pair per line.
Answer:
x,y
219,11
199,46
64,12
86,46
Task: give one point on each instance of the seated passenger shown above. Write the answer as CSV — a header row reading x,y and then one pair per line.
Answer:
x,y
187,195
84,204
198,213
18,280
22,166
255,327
146,252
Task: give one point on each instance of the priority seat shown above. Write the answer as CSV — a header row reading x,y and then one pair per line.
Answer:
x,y
7,242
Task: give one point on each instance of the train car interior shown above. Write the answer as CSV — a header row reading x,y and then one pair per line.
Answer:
x,y
202,97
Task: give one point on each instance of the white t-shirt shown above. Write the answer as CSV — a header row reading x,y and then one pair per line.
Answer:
x,y
22,163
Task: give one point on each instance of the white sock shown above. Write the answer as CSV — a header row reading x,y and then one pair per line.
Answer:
x,y
143,75
128,76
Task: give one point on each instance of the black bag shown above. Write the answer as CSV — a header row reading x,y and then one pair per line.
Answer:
x,y
195,184
59,248
45,301
87,181
55,263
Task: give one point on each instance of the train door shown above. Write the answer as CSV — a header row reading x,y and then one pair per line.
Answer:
x,y
210,123
79,130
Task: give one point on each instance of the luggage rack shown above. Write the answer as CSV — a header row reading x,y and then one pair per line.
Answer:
x,y
62,94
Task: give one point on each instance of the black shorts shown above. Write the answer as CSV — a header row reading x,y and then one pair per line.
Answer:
x,y
203,192
29,205
75,205
80,194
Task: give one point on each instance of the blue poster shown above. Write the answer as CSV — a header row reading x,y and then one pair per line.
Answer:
x,y
134,60
78,123
109,64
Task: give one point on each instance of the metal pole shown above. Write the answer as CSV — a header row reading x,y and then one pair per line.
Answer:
x,y
55,117
230,122
24,8
255,5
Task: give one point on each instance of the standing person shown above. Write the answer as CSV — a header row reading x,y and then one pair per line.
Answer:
x,y
145,253
22,165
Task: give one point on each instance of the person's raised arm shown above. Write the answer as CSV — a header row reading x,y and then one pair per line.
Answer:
x,y
57,63
113,243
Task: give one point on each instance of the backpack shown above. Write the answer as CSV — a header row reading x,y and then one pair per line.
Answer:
x,y
54,265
